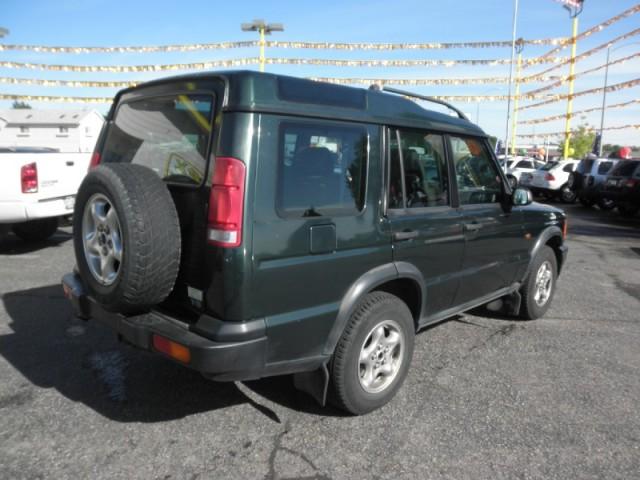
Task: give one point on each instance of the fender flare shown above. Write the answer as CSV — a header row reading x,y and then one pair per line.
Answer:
x,y
543,238
363,285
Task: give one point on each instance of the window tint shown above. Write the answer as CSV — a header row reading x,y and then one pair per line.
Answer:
x,y
426,181
549,166
168,134
322,170
604,167
569,167
476,174
585,165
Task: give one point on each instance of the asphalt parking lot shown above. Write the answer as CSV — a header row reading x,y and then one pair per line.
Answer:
x,y
485,397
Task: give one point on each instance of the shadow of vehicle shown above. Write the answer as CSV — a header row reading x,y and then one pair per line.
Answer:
x,y
85,363
10,244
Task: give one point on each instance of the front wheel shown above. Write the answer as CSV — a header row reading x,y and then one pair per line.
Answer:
x,y
539,287
373,355
36,230
606,204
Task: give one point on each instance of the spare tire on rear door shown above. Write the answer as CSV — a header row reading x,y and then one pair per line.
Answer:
x,y
126,237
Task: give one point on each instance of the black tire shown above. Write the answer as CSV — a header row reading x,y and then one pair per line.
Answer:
x,y
627,211
586,202
530,309
606,204
347,391
150,236
566,194
513,181
36,230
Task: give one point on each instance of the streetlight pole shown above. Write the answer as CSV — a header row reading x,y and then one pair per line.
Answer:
x,y
513,54
519,48
575,8
604,90
263,29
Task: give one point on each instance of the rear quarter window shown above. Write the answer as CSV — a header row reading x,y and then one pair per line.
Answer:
x,y
604,167
624,168
169,134
322,170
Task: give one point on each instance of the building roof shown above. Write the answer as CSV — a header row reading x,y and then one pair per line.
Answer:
x,y
251,91
31,116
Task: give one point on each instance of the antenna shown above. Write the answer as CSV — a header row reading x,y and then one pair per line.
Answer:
x,y
427,99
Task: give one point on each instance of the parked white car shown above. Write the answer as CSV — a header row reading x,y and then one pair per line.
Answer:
x,y
37,187
551,180
517,166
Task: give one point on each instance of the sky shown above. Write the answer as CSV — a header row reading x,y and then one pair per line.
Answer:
x,y
161,22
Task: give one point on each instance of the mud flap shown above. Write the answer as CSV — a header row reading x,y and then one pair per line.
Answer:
x,y
315,383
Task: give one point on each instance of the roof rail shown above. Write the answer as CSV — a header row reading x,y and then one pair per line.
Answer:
x,y
426,98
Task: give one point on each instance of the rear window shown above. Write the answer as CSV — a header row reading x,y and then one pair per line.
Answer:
x,y
624,168
549,166
322,170
169,134
604,167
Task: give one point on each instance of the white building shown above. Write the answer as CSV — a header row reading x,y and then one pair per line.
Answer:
x,y
65,130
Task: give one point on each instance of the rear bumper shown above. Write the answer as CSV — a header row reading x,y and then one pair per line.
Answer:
x,y
220,360
17,212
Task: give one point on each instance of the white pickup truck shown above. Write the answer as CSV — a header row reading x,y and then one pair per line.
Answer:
x,y
37,188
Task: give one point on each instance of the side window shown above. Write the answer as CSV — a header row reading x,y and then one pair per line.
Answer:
x,y
604,167
322,170
423,169
476,173
568,168
525,164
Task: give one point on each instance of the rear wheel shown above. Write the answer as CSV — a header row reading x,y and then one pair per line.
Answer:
x,y
606,204
627,211
513,181
126,237
566,194
586,202
36,230
539,287
373,355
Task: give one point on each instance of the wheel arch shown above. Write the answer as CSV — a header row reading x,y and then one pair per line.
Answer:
x,y
398,278
551,237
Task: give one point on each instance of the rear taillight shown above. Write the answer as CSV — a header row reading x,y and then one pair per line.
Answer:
x,y
630,182
95,160
226,203
549,177
29,178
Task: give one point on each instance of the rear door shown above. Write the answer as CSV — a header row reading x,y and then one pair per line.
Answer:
x,y
426,226
495,247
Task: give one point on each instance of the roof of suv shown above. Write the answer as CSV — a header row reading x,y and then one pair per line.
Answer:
x,y
280,94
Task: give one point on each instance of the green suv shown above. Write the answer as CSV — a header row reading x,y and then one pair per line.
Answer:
x,y
248,225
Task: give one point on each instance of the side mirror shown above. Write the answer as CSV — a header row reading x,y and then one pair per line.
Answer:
x,y
521,197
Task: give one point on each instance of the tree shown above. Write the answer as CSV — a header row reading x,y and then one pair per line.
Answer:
x,y
581,141
18,105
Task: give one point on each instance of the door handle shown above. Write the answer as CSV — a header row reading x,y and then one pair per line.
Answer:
x,y
472,227
406,235
70,163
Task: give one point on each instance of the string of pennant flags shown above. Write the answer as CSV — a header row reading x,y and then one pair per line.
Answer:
x,y
589,129
277,44
235,62
595,29
577,112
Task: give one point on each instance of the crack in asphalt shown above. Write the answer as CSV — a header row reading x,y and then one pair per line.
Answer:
x,y
277,447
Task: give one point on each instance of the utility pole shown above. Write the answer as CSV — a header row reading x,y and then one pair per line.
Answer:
x,y
514,128
263,29
513,54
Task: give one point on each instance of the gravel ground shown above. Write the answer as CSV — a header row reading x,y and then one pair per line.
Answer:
x,y
485,397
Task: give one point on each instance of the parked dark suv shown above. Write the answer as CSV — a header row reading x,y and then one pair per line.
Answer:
x,y
248,225
622,186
